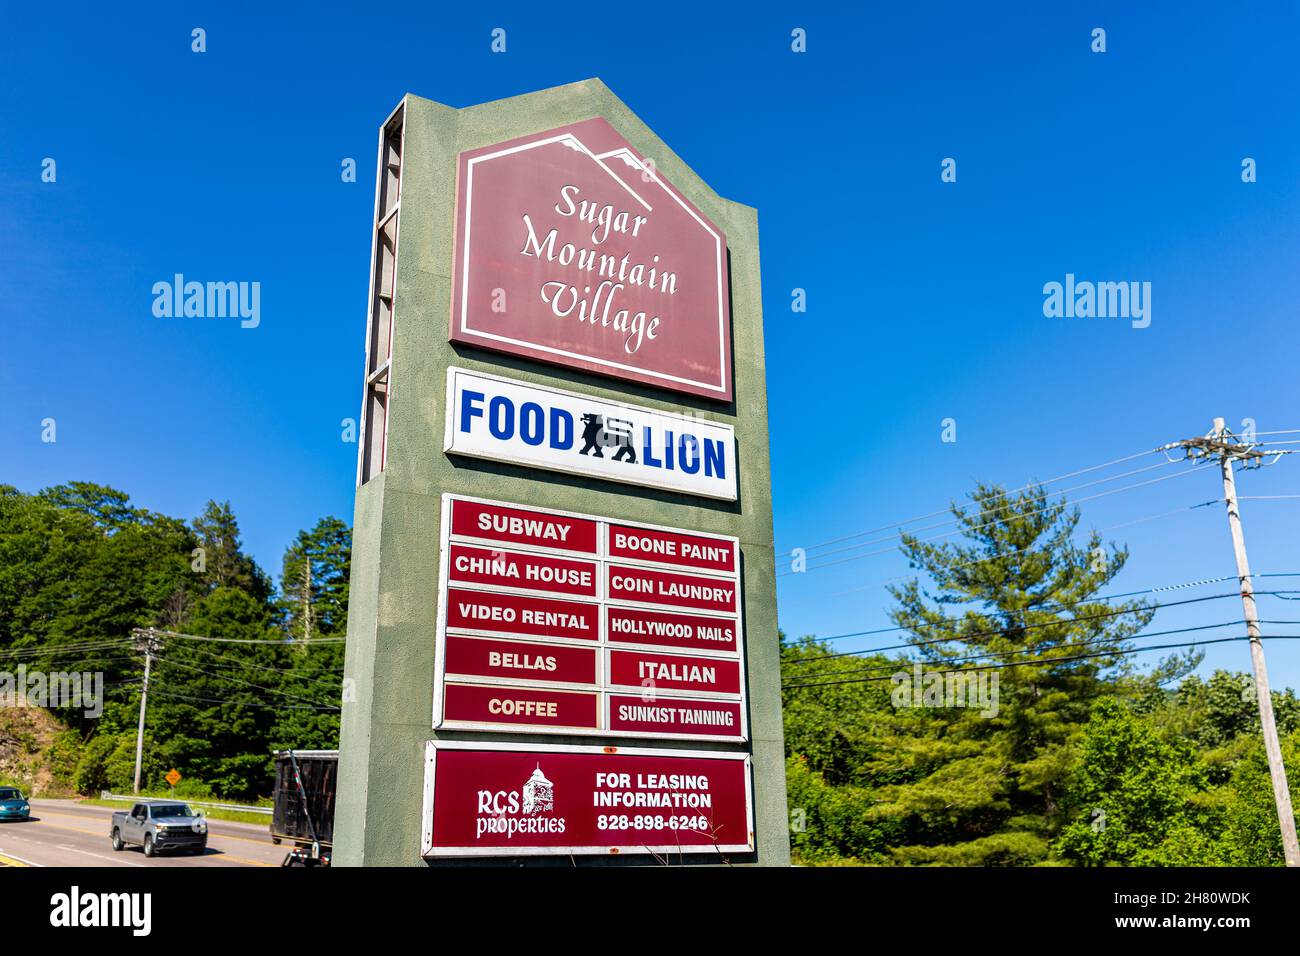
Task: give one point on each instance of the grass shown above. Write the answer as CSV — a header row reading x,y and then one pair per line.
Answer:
x,y
234,816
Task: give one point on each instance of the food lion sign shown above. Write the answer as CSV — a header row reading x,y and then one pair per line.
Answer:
x,y
572,249
489,416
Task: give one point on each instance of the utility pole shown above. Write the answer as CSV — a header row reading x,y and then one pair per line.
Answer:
x,y
1222,444
148,642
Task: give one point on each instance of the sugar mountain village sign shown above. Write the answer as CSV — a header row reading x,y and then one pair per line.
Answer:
x,y
572,249
562,636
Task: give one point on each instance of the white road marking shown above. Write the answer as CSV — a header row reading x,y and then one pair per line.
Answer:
x,y
98,856
20,859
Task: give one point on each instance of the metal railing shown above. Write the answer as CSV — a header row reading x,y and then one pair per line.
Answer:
x,y
267,811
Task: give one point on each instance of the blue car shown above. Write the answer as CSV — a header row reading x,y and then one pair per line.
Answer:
x,y
13,805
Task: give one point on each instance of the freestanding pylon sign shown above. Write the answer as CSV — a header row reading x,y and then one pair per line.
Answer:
x,y
562,638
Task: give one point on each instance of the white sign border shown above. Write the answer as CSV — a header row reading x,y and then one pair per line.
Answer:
x,y
603,689
431,748
568,138
449,437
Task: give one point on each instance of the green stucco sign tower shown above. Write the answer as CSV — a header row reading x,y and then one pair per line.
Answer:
x,y
562,640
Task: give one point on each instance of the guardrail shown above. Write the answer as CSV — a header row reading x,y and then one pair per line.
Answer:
x,y
105,795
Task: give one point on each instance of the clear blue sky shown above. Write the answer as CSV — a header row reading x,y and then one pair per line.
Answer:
x,y
924,298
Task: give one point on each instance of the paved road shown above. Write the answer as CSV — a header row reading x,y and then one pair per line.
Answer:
x,y
67,833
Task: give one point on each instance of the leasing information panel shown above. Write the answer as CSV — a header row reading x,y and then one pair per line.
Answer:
x,y
561,623
498,799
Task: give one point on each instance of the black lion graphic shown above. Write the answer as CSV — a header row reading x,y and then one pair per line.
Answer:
x,y
599,432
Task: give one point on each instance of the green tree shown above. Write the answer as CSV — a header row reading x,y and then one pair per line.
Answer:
x,y
1017,592
842,739
79,568
1251,836
314,581
224,563
1131,789
1015,596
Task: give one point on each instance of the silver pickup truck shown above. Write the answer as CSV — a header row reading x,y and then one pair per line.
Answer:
x,y
165,825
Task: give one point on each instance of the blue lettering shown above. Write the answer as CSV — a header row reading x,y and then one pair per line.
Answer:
x,y
469,408
531,423
715,458
668,450
647,449
690,462
504,409
561,429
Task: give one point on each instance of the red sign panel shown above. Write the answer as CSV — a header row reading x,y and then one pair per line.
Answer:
x,y
632,625
674,672
517,569
508,800
666,587
517,614
484,704
572,249
552,622
673,715
474,519
672,547
484,657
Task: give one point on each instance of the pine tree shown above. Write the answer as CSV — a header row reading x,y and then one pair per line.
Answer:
x,y
314,581
224,562
1015,594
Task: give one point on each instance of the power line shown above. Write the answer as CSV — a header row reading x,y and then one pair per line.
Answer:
x,y
1163,514
80,662
264,667
65,649
1029,514
893,666
1029,650
1018,627
1061,605
1048,481
1056,660
236,680
235,703
1005,554
992,511
286,642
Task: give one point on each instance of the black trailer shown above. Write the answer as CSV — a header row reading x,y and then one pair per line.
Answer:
x,y
306,782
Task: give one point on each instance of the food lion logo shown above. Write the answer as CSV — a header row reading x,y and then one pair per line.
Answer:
x,y
528,810
600,432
